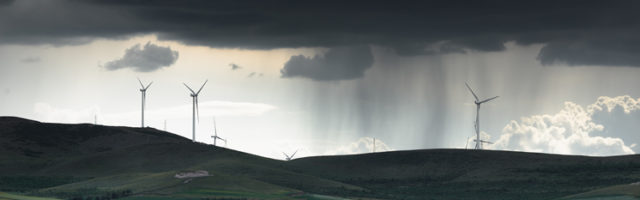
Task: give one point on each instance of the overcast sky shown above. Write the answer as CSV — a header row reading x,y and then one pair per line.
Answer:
x,y
325,77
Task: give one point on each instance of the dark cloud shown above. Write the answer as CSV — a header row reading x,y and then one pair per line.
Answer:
x,y
149,58
6,2
606,52
340,63
31,59
234,66
596,34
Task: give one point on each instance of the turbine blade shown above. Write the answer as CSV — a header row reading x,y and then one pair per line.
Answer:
x,y
192,92
205,82
141,85
215,127
285,154
148,85
197,109
294,153
470,90
489,99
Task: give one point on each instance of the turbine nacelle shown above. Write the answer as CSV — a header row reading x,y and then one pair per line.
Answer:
x,y
142,87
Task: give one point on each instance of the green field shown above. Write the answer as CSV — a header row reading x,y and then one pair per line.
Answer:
x,y
86,161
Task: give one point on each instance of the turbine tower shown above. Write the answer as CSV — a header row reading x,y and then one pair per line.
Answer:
x,y
478,141
194,95
143,90
215,132
287,157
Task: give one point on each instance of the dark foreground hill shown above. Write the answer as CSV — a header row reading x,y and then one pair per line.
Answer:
x,y
103,162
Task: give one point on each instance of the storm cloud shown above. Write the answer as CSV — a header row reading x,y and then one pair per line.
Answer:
x,y
572,32
342,63
149,58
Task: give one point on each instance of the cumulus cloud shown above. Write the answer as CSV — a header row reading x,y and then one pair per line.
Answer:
x,y
341,63
147,58
234,66
362,145
570,131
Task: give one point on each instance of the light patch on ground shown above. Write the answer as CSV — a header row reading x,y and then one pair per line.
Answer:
x,y
192,174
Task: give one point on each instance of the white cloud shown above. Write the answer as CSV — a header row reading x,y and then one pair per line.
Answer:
x,y
570,131
362,145
48,113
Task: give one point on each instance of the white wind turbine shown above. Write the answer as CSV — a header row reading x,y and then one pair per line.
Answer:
x,y
287,157
215,132
479,141
194,95
143,90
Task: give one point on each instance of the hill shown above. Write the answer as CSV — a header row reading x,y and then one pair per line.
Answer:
x,y
85,160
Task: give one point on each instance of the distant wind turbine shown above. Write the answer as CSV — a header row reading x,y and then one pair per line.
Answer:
x,y
143,90
287,157
215,132
194,95
374,145
477,124
466,145
481,142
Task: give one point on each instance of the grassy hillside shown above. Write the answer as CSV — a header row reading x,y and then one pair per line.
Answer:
x,y
617,192
84,160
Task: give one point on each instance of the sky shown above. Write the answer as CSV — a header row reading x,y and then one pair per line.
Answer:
x,y
327,77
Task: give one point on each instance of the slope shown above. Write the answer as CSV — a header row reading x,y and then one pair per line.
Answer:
x,y
84,160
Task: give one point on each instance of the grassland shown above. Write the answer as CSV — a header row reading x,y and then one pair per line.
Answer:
x,y
100,162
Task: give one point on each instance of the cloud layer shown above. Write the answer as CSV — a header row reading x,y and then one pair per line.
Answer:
x,y
573,130
341,63
573,32
48,113
362,145
149,58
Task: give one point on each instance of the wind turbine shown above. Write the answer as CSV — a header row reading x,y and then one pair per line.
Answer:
x,y
194,95
287,157
215,132
374,145
466,145
481,142
477,124
143,90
